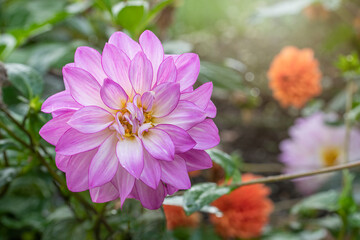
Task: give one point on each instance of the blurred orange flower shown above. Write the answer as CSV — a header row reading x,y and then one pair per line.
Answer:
x,y
316,11
176,217
245,211
294,76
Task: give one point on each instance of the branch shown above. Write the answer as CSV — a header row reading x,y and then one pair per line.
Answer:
x,y
282,177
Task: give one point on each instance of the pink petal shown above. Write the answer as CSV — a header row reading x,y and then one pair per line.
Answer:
x,y
147,100
175,173
153,50
73,141
166,99
62,161
167,71
90,60
185,116
140,73
196,160
91,119
130,154
55,128
60,101
104,193
61,112
181,139
113,95
158,143
124,182
201,95
188,67
210,110
152,172
170,189
77,171
116,65
150,198
125,44
65,83
104,164
83,86
205,134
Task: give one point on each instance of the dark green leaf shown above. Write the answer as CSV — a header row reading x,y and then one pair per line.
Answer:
x,y
201,195
7,175
326,201
65,229
25,79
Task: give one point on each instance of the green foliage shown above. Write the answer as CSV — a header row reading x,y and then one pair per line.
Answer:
x,y
201,195
230,164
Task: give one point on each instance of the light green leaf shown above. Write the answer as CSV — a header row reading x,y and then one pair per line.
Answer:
x,y
201,195
7,45
130,14
230,164
326,201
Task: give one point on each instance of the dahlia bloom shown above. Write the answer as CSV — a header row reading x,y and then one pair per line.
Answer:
x,y
245,211
294,76
129,123
176,217
313,145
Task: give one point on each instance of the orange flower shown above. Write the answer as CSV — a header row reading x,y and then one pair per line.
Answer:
x,y
316,11
245,211
194,173
176,217
294,76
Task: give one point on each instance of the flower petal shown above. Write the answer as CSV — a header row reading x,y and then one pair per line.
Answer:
x,y
125,44
153,50
167,71
188,67
73,141
60,101
77,171
83,86
124,182
62,161
147,100
150,198
201,96
185,115
181,139
166,99
90,60
130,154
91,119
104,193
104,164
170,189
116,65
196,160
152,172
113,95
206,134
158,143
55,128
210,110
175,173
140,73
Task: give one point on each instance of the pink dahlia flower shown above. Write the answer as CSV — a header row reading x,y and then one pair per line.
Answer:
x,y
129,123
313,145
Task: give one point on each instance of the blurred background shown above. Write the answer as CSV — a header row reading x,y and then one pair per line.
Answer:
x,y
236,42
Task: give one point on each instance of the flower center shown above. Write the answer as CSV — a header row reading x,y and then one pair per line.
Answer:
x,y
330,156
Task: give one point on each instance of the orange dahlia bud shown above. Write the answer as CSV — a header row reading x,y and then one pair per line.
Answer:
x,y
294,76
245,211
176,217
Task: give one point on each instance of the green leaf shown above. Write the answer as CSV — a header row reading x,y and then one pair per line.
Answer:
x,y
222,77
230,164
326,201
354,220
8,174
65,229
201,195
7,45
130,14
347,204
6,144
25,79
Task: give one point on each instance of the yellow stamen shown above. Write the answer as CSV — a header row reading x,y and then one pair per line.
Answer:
x,y
330,156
